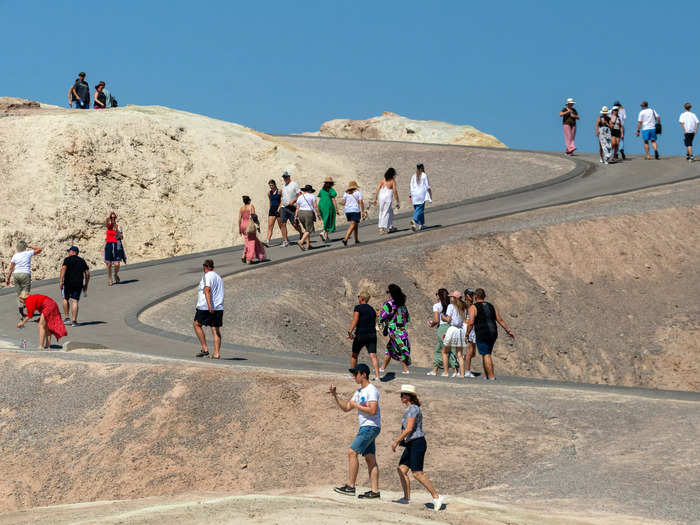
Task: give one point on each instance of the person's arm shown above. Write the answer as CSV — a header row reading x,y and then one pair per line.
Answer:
x,y
639,125
436,319
362,208
472,316
62,277
97,102
353,324
344,405
410,423
9,273
597,126
294,201
446,317
87,280
36,249
252,209
318,212
396,194
503,324
427,185
74,93
574,115
335,206
564,112
376,193
207,296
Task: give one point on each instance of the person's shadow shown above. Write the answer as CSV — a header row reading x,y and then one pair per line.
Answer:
x,y
128,281
389,376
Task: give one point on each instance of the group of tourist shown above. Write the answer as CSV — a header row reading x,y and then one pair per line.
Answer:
x,y
610,130
79,95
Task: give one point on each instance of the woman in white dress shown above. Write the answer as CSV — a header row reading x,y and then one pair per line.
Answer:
x,y
386,193
455,337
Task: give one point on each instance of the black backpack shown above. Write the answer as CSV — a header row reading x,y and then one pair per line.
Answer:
x,y
114,102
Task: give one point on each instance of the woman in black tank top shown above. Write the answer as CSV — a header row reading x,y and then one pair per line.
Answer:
x,y
483,317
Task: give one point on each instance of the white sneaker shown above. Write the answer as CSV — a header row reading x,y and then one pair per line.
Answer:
x,y
455,374
431,373
381,371
406,372
468,373
285,244
437,502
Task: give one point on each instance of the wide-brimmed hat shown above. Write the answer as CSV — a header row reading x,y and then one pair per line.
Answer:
x,y
308,188
456,294
570,101
353,185
408,389
604,110
329,179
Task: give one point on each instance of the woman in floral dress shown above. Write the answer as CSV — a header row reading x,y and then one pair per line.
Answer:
x,y
394,318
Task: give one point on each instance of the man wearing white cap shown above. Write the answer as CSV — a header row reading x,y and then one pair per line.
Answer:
x,y
569,117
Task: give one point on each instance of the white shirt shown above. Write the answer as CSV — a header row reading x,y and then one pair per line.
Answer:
x,y
455,319
289,192
216,284
690,121
621,113
352,201
23,262
437,307
419,189
648,118
305,202
363,396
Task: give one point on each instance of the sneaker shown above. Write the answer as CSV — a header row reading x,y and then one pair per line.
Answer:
x,y
437,502
455,374
413,225
656,154
266,244
601,161
468,373
406,372
345,242
66,319
375,378
431,373
345,489
202,353
74,323
487,379
622,153
401,501
692,158
369,495
285,244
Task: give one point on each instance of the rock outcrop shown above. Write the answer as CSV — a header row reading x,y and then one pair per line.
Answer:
x,y
12,105
390,126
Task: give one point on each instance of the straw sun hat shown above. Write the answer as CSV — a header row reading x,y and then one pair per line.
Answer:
x,y
329,179
604,110
353,185
408,389
570,101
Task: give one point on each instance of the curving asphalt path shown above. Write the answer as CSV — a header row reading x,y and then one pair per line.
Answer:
x,y
109,316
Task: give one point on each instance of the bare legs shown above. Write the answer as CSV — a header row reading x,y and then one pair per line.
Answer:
x,y
646,148
354,467
445,360
471,350
372,358
422,479
271,227
44,334
488,367
387,359
216,334
305,241
352,230
74,309
283,229
615,146
116,272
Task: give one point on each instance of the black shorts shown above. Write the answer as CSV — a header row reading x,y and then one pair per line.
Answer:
x,y
287,213
615,133
272,212
414,454
72,292
367,340
689,139
207,318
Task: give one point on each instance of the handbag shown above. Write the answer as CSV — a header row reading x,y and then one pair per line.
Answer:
x,y
657,128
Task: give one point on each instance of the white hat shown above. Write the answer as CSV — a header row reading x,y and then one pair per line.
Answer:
x,y
408,389
570,101
604,110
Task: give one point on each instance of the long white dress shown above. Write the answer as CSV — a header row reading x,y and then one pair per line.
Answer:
x,y
385,199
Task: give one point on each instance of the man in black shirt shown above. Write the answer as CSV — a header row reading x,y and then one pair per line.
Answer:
x,y
79,93
74,279
363,332
483,317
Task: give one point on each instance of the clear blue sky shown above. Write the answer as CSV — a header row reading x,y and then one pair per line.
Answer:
x,y
287,66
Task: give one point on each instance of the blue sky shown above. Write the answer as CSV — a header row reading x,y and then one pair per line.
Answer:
x,y
284,66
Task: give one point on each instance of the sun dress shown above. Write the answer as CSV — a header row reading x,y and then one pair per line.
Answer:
x,y
385,199
605,138
325,206
49,309
395,319
245,217
254,248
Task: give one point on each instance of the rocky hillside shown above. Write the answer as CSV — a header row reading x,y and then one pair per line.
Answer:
x,y
390,126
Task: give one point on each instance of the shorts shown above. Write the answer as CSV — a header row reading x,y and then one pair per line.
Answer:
x,y
306,219
214,319
272,212
77,104
414,454
112,253
648,134
689,139
364,440
287,214
485,347
455,336
353,216
71,293
472,337
615,133
368,341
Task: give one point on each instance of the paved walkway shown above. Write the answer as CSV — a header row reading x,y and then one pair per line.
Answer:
x,y
109,315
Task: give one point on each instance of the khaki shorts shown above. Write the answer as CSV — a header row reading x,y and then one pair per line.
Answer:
x,y
23,284
306,219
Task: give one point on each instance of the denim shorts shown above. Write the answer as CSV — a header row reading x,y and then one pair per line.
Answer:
x,y
364,441
648,134
485,347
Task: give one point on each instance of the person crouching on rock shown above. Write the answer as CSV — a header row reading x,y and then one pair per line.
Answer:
x,y
50,322
366,401
254,249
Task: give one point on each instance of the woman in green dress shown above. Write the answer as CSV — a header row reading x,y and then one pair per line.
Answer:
x,y
327,207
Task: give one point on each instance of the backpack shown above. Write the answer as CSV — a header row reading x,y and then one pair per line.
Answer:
x,y
114,102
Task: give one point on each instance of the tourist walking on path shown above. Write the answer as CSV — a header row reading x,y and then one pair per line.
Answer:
x,y
50,323
387,191
569,116
366,401
273,214
307,211
327,207
363,332
440,309
354,211
622,113
648,122
394,318
689,123
20,271
412,438
74,279
253,249
483,317
100,99
420,194
471,336
288,208
79,93
114,251
210,309
244,213
602,131
617,131
456,335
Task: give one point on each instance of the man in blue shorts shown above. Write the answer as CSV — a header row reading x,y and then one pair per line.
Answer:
x,y
646,123
366,401
483,317
73,280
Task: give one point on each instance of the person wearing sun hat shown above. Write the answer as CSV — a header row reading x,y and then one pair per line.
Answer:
x,y
327,206
569,117
412,438
604,134
354,211
306,213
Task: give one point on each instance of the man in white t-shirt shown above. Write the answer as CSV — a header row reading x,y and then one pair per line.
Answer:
x,y
420,194
288,208
646,123
210,309
366,401
689,123
20,271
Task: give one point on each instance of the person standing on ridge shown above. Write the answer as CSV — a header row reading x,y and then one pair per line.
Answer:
x,y
79,93
604,135
569,117
689,123
366,401
622,113
647,123
74,279
288,208
617,131
420,193
483,317
210,309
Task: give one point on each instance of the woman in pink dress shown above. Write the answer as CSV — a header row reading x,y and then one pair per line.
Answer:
x,y
244,215
253,247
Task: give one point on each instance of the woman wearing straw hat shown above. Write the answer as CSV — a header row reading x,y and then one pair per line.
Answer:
x,y
327,206
354,210
569,117
603,132
412,438
307,208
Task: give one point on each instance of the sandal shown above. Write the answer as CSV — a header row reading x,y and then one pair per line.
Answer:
x,y
202,353
214,357
117,280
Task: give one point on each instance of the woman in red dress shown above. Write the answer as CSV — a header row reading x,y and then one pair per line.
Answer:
x,y
50,322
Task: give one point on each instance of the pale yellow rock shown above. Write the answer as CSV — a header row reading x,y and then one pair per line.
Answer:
x,y
390,126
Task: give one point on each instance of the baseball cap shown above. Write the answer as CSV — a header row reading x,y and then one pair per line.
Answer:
x,y
73,249
360,369
285,174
